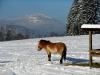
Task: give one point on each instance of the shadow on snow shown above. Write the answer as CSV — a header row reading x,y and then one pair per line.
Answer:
x,y
76,60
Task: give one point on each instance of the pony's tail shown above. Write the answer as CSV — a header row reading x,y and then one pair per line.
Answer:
x,y
64,53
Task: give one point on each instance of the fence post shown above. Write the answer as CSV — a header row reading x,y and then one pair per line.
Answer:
x,y
90,48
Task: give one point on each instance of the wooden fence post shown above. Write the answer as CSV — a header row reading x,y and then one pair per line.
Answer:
x,y
90,48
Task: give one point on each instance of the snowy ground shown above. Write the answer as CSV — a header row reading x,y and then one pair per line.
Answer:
x,y
22,58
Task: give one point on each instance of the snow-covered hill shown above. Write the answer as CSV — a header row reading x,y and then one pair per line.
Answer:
x,y
22,58
38,24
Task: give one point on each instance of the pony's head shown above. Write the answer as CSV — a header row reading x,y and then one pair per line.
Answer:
x,y
42,44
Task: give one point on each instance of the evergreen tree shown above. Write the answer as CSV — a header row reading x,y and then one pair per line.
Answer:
x,y
2,34
9,35
19,36
82,12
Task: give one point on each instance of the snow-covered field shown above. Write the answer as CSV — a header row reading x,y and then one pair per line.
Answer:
x,y
22,58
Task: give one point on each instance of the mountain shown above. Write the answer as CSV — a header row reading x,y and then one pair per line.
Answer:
x,y
40,25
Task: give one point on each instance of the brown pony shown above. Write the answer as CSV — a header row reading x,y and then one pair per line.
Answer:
x,y
55,48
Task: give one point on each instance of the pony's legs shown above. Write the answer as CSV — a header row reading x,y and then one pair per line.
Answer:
x,y
61,59
63,56
49,57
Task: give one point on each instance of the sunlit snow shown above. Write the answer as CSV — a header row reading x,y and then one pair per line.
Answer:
x,y
22,58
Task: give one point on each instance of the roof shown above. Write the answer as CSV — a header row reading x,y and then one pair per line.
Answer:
x,y
90,26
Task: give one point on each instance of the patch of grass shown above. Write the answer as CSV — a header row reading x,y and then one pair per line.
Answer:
x,y
95,65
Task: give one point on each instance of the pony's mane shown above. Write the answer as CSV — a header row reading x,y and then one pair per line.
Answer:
x,y
45,41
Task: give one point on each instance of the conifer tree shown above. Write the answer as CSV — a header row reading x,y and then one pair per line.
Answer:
x,y
82,12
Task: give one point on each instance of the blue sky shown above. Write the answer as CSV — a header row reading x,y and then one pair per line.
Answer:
x,y
57,9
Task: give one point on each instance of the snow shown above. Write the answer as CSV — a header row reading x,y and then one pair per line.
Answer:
x,y
22,58
33,19
91,26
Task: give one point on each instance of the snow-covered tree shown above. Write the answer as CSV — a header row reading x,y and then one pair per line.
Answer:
x,y
2,33
9,35
82,12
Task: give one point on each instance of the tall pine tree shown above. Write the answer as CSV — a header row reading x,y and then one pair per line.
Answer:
x,y
82,12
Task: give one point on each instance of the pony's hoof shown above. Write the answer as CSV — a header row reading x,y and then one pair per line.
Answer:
x,y
60,62
49,60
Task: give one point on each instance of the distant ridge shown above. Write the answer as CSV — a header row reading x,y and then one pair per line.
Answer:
x,y
37,25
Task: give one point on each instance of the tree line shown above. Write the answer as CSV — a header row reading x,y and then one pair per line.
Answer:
x,y
7,34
